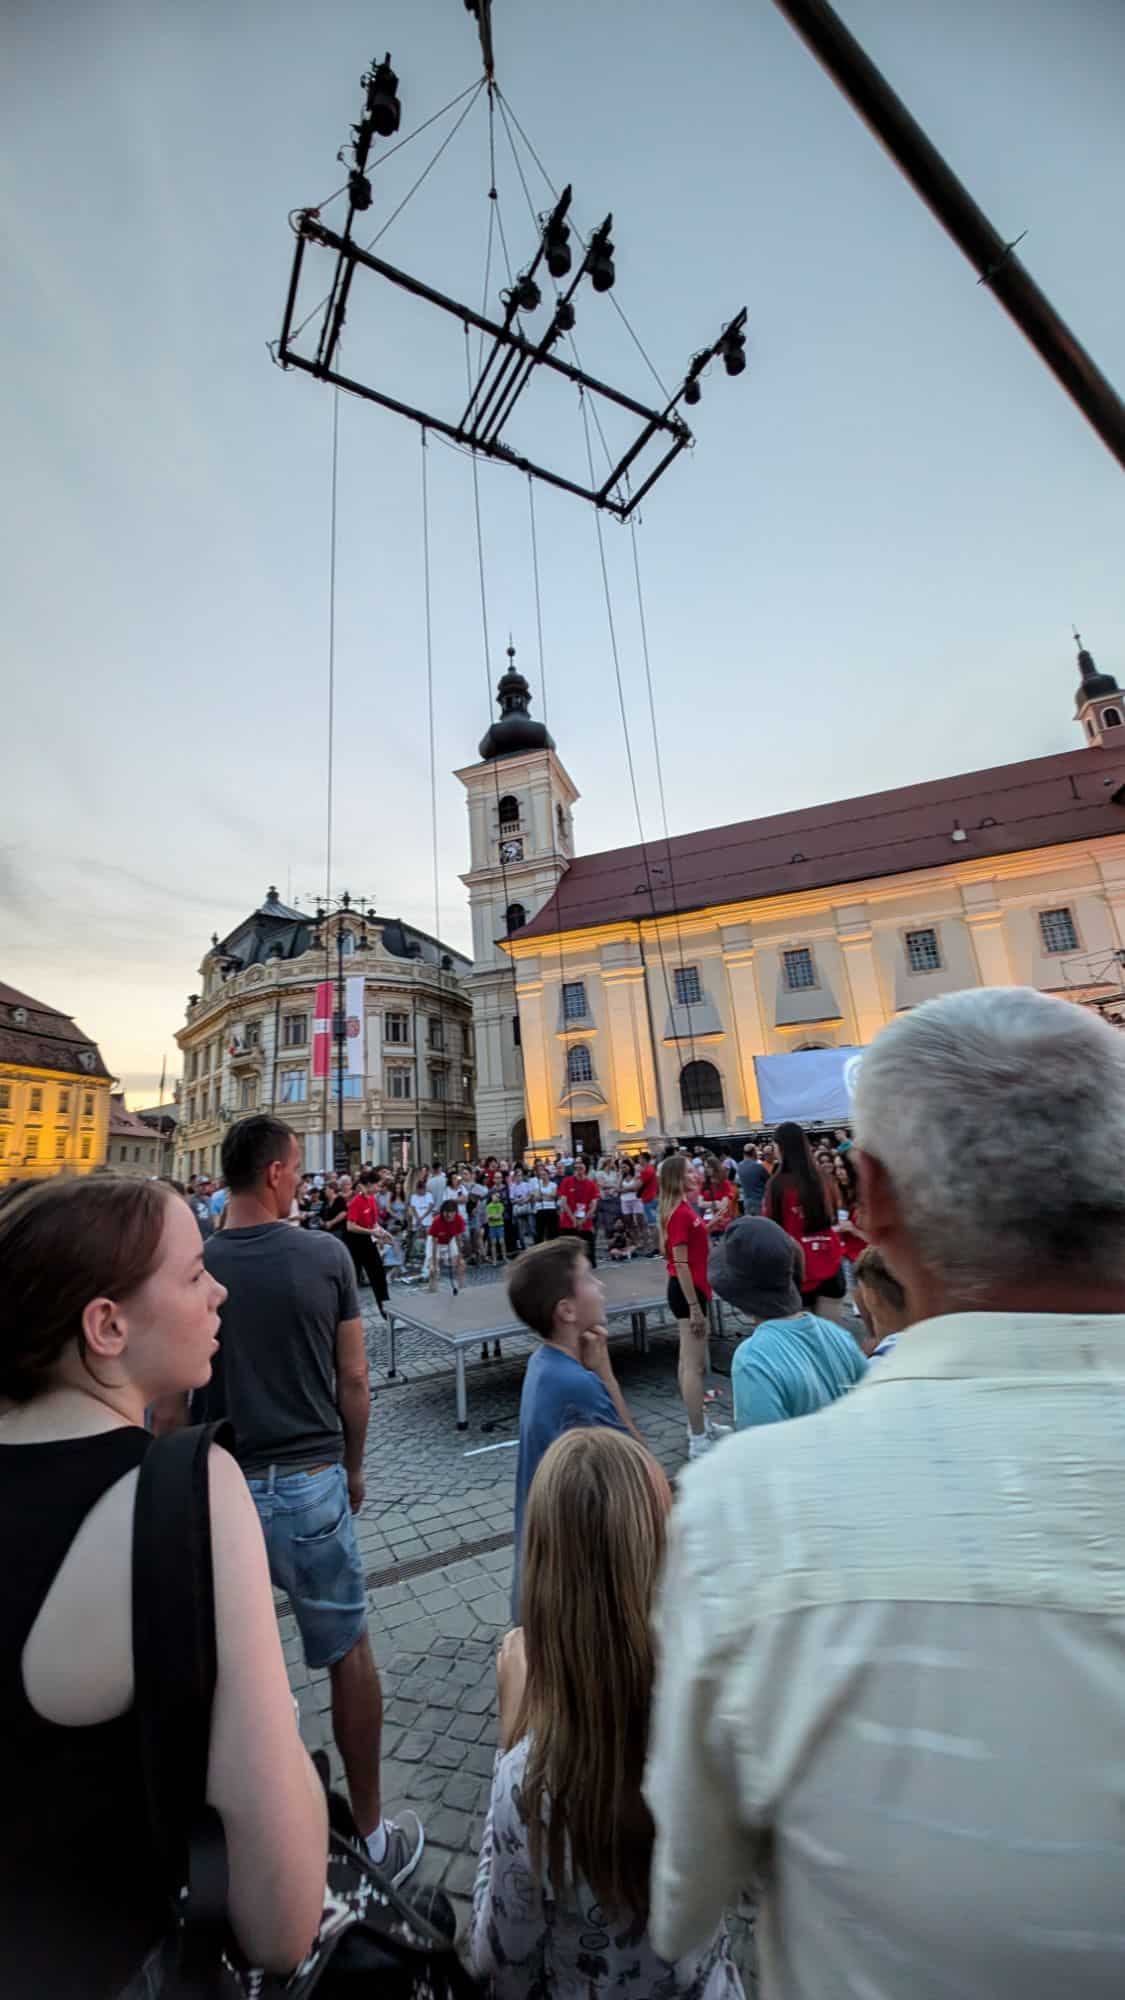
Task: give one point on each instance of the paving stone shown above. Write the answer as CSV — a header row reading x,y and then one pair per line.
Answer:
x,y
450,1756
445,1648
460,1875
479,1700
462,1791
415,1745
433,1601
448,1828
479,1758
466,1728
420,1633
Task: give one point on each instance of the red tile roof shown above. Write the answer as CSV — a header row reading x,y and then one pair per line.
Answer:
x,y
1046,801
124,1124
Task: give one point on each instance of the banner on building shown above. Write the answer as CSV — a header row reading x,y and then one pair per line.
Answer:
x,y
812,1086
322,1029
353,1025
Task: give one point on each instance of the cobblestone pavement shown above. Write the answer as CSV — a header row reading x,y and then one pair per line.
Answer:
x,y
435,1538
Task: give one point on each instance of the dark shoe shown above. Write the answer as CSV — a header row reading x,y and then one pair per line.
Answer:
x,y
405,1841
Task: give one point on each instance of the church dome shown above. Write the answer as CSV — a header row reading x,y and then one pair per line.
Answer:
x,y
1092,683
517,730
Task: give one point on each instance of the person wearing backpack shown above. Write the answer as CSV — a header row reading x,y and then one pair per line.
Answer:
x,y
800,1199
107,1308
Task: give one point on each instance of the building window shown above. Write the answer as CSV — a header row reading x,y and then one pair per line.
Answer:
x,y
574,1000
1056,929
922,954
31,1145
86,1147
579,1064
87,1104
437,1032
294,1031
353,1085
35,1107
252,1035
248,1093
3,1145
1111,719
437,1084
347,943
799,970
398,1082
509,812
515,917
517,1041
294,1086
689,992
466,1085
60,1145
207,1060
466,1040
5,1100
64,1104
136,1155
701,1087
396,1027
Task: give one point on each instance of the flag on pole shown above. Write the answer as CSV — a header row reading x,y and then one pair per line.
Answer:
x,y
322,1029
353,1024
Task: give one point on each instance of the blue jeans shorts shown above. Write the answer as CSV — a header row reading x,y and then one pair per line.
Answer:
x,y
652,1210
310,1541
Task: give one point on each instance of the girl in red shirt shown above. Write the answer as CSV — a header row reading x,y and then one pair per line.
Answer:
x,y
685,1243
800,1198
720,1202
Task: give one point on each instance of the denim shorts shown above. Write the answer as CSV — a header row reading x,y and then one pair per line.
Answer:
x,y
310,1541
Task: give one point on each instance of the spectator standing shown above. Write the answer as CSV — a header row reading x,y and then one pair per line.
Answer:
x,y
521,1190
295,1387
561,1898
803,1201
892,1636
684,1241
420,1217
753,1179
881,1303
578,1208
218,1199
720,1199
447,1232
793,1363
494,1222
335,1210
200,1205
365,1232
570,1378
546,1204
106,1308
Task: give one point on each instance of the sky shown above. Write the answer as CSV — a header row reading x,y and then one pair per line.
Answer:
x,y
864,574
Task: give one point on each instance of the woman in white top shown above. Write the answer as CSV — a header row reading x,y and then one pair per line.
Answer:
x,y
561,1897
421,1216
632,1207
545,1203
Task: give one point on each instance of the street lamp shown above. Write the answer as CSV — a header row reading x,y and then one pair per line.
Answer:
x,y
325,910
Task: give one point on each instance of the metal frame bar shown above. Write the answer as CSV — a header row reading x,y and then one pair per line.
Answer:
x,y
521,359
869,93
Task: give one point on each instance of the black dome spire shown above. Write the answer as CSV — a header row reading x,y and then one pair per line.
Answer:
x,y
1092,683
516,729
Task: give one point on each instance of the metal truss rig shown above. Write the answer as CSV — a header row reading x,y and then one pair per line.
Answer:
x,y
511,360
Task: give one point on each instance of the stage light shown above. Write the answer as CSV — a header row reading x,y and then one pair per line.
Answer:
x,y
732,347
692,391
359,189
383,107
526,293
564,315
599,258
557,247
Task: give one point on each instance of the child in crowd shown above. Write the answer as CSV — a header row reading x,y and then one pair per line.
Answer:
x,y
561,1899
570,1379
494,1218
795,1361
619,1247
446,1232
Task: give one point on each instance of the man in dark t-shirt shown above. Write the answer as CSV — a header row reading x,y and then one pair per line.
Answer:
x,y
294,1384
753,1179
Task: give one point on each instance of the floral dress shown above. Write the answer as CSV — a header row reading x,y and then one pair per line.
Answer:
x,y
531,1946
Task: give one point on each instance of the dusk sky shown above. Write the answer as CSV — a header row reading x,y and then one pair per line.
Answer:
x,y
865,574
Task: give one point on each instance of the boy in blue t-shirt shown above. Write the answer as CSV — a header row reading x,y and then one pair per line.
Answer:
x,y
570,1380
794,1362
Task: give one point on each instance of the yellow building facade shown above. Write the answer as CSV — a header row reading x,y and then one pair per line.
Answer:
x,y
54,1092
645,985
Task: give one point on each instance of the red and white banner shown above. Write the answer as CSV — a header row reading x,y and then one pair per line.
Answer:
x,y
353,1024
322,1029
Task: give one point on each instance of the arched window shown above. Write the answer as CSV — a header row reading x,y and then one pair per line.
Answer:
x,y
509,810
519,1139
347,943
579,1066
701,1087
1111,719
515,917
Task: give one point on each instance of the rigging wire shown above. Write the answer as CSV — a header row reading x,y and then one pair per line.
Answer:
x,y
430,682
556,853
332,640
694,1114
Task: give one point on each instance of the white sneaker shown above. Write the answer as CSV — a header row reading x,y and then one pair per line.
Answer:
x,y
405,1841
698,1446
716,1431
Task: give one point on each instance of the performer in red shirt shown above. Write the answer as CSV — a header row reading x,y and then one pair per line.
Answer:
x,y
648,1190
685,1242
578,1207
446,1231
365,1232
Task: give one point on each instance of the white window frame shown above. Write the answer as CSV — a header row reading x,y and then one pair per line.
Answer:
x,y
579,1011
396,1074
294,1077
289,1038
1049,950
396,1041
687,976
799,985
923,931
575,1050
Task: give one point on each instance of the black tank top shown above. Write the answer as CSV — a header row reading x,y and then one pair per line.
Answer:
x,y
80,1898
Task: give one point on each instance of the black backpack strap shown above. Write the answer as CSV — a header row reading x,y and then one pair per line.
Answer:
x,y
174,1667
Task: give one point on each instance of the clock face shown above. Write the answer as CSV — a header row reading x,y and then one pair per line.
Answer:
x,y
511,850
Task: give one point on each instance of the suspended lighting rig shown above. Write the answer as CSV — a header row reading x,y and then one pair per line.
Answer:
x,y
510,358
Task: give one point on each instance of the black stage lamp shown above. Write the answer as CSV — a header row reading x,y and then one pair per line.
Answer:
x,y
557,246
527,293
383,107
692,391
564,316
599,258
359,189
732,347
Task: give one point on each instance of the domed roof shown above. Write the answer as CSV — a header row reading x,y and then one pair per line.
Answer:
x,y
516,730
1092,682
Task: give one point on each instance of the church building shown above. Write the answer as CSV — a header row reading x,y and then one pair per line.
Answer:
x,y
625,998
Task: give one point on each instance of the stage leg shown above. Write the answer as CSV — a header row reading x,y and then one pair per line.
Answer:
x,y
462,1397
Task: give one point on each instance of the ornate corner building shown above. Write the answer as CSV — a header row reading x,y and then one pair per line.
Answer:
x,y
403,1088
54,1092
625,998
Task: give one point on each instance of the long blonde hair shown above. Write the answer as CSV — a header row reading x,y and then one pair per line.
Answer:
x,y
594,1538
674,1173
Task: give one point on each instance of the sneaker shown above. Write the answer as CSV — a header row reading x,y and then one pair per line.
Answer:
x,y
698,1447
716,1431
405,1841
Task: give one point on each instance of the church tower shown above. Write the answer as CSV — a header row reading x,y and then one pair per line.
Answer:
x,y
520,843
1099,703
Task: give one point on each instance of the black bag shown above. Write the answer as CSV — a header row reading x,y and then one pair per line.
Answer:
x,y
372,1939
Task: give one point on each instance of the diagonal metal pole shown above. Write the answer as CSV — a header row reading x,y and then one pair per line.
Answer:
x,y
868,91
